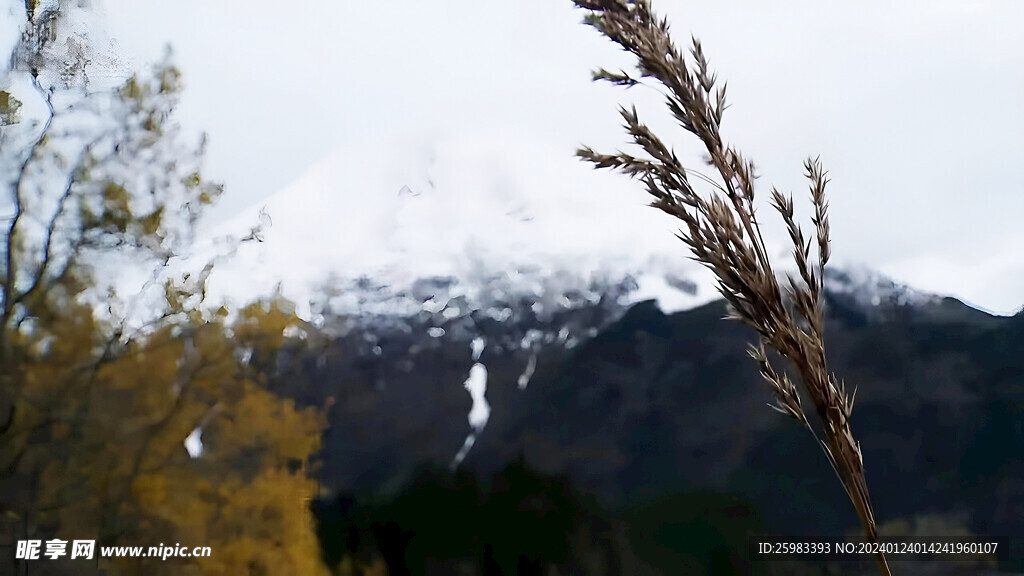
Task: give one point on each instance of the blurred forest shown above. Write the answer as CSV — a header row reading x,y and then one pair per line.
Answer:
x,y
99,390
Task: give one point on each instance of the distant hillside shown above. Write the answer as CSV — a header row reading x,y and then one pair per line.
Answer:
x,y
655,405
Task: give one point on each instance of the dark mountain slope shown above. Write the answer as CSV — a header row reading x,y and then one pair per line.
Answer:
x,y
656,405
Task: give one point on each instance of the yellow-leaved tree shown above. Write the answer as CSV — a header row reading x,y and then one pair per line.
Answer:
x,y
131,421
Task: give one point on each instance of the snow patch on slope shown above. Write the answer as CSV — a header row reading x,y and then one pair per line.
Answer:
x,y
524,378
476,384
194,443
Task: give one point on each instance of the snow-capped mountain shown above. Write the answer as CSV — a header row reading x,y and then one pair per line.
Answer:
x,y
477,318
516,317
651,404
479,224
470,225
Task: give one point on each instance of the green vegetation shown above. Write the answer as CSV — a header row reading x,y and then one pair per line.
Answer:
x,y
523,522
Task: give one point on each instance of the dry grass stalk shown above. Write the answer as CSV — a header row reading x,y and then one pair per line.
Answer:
x,y
723,233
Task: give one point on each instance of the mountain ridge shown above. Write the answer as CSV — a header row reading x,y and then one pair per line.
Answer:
x,y
647,404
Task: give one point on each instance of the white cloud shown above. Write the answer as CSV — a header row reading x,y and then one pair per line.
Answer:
x,y
915,108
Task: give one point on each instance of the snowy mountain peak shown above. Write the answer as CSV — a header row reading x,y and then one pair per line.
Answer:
x,y
481,228
869,288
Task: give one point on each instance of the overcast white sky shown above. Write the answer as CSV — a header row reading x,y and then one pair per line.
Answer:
x,y
916,108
